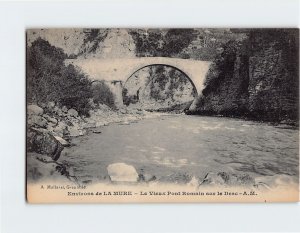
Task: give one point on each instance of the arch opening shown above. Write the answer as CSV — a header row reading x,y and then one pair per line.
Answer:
x,y
159,87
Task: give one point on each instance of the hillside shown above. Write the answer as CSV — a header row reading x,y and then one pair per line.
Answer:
x,y
256,78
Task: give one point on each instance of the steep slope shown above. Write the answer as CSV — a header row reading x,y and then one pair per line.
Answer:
x,y
256,78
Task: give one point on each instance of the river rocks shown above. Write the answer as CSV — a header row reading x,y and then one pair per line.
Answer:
x,y
60,129
64,109
124,123
75,131
245,179
40,168
213,179
62,141
97,131
57,111
89,123
51,105
177,178
48,128
123,111
50,119
101,123
277,180
122,172
34,110
36,170
72,112
37,121
146,177
42,142
263,187
226,179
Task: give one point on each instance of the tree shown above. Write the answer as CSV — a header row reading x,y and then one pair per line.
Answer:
x,y
48,79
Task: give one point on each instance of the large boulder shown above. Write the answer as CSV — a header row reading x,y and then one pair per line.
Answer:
x,y
34,110
37,121
50,119
62,141
60,129
40,169
72,112
42,142
74,131
122,172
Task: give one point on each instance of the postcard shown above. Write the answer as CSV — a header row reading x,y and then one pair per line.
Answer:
x,y
162,115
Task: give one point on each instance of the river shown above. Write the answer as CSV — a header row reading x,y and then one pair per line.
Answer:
x,y
187,145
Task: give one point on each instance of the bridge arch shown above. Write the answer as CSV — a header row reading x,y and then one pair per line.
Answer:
x,y
116,71
178,85
166,65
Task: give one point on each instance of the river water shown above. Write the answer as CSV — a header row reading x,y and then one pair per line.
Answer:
x,y
192,145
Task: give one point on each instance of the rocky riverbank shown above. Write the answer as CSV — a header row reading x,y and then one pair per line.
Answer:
x,y
121,173
51,128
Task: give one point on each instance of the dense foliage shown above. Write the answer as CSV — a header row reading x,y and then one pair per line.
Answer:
x,y
160,43
92,40
102,94
49,79
129,99
199,44
256,78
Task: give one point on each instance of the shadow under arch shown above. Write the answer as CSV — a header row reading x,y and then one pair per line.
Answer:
x,y
162,64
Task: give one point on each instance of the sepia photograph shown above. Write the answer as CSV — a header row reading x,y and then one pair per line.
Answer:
x,y
148,115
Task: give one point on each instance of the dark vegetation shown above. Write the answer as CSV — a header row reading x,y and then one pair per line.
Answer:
x,y
167,43
93,39
199,44
129,99
256,78
49,79
102,94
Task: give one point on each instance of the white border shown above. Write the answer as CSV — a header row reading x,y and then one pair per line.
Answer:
x,y
17,216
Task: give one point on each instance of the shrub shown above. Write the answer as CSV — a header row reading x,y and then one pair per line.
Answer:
x,y
48,79
102,94
157,43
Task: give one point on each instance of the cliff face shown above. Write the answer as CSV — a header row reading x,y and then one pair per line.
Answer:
x,y
256,78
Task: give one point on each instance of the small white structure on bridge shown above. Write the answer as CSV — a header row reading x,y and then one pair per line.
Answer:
x,y
117,71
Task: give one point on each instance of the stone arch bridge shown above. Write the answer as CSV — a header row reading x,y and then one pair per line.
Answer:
x,y
116,71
